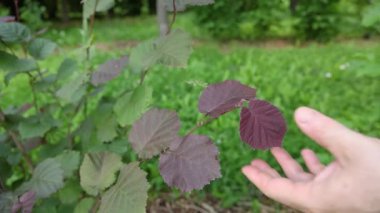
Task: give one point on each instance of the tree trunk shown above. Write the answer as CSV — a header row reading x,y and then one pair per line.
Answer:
x,y
65,11
162,18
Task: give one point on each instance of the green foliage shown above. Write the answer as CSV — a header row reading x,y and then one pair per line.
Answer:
x,y
371,16
97,171
14,32
69,161
131,105
32,13
36,126
171,50
47,179
319,20
129,194
41,48
84,205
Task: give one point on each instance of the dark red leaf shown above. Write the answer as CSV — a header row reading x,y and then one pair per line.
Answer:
x,y
154,132
108,71
7,19
220,98
25,202
262,125
191,163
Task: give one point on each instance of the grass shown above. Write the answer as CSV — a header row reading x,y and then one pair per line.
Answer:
x,y
319,76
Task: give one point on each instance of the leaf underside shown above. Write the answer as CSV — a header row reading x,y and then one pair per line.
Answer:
x,y
171,50
132,105
129,194
262,125
190,163
220,98
108,71
154,132
97,171
47,178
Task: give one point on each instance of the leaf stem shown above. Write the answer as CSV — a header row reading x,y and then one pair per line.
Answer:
x,y
199,125
142,77
34,95
96,205
21,147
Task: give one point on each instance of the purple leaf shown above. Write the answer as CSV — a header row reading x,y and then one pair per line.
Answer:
x,y
220,98
262,125
7,19
154,132
108,71
25,202
191,163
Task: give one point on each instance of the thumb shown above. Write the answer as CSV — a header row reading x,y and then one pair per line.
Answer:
x,y
335,137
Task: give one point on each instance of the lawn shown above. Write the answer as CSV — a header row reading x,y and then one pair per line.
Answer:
x,y
335,78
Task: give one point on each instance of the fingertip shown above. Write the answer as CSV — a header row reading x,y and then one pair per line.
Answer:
x,y
303,115
276,150
256,162
246,169
306,151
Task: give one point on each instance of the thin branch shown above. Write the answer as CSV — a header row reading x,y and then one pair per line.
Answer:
x,y
174,16
2,187
16,10
21,147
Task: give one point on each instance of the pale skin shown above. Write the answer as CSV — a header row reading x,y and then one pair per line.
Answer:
x,y
351,183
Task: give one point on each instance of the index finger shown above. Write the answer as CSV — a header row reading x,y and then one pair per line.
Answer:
x,y
283,190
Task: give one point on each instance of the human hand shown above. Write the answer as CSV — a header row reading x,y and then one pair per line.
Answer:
x,y
349,184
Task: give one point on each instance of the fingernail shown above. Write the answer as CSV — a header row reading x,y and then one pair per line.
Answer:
x,y
304,115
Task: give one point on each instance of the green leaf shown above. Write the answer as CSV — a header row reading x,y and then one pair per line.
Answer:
x,y
69,161
6,201
105,122
47,179
11,63
143,56
67,67
41,48
87,135
174,49
371,15
119,146
73,90
85,205
131,106
45,83
97,171
92,6
129,194
171,50
70,193
14,32
36,126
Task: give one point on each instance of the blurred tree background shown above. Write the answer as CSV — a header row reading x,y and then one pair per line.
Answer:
x,y
300,20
